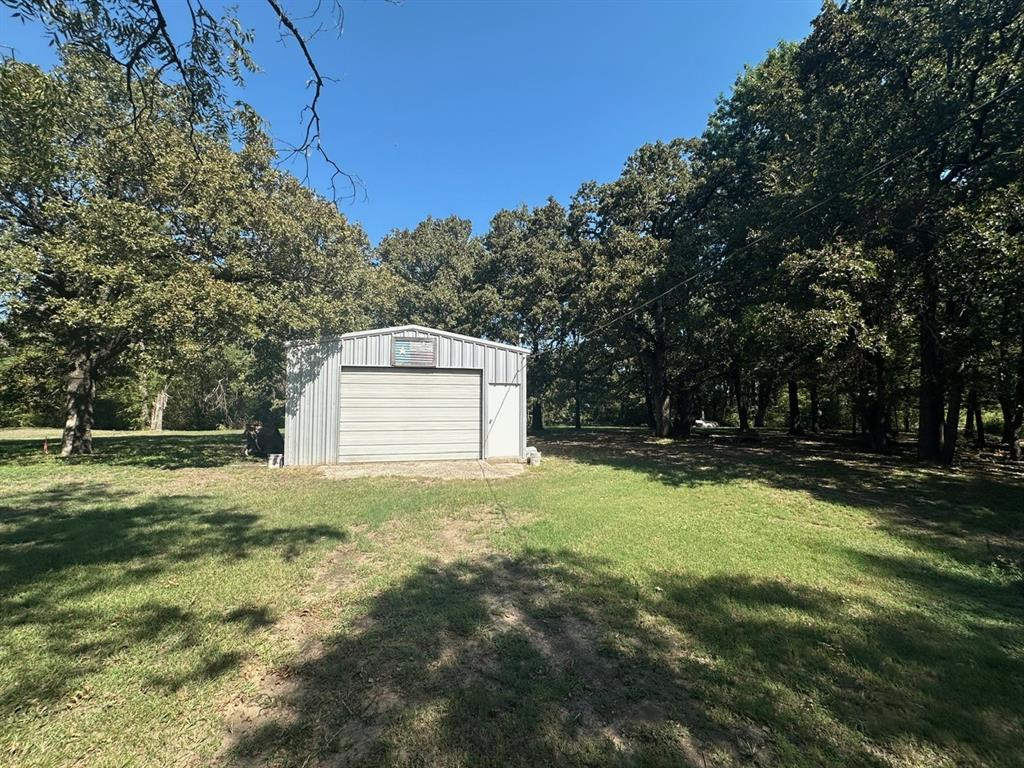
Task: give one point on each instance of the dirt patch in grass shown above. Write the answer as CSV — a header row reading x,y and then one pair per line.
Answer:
x,y
428,470
472,657
269,702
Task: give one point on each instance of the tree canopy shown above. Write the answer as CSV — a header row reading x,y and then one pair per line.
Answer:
x,y
206,55
842,247
121,245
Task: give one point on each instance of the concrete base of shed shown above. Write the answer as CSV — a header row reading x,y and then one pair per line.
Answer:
x,y
472,469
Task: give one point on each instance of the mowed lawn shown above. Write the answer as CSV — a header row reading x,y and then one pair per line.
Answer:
x,y
629,602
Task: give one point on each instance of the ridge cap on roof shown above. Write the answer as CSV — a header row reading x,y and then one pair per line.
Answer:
x,y
416,327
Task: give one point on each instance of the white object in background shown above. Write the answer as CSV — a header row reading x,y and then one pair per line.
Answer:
x,y
532,456
503,420
275,460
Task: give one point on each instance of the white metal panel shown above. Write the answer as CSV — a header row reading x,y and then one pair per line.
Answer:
x,y
522,410
407,414
412,329
503,421
311,403
501,363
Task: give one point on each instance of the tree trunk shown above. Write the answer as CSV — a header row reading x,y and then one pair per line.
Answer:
x,y
659,399
742,407
932,389
719,404
815,409
979,422
683,424
952,426
875,424
1013,417
764,395
81,393
537,422
662,412
1011,403
577,411
972,406
876,408
795,426
156,412
975,424
648,399
657,372
1006,406
1013,409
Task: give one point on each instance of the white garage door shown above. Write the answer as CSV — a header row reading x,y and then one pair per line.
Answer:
x,y
405,415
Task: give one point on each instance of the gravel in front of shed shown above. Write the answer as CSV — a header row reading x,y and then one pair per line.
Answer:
x,y
473,469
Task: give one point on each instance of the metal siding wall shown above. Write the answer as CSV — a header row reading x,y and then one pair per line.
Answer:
x,y
505,366
499,365
311,403
522,413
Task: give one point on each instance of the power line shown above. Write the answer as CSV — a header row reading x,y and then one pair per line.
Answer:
x,y
912,151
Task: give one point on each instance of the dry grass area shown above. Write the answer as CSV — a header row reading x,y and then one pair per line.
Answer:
x,y
472,469
342,704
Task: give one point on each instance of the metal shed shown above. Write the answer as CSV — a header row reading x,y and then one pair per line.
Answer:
x,y
407,393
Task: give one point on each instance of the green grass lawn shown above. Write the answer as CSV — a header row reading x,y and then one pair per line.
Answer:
x,y
629,602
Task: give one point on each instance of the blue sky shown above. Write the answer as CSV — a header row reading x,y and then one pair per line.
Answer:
x,y
470,107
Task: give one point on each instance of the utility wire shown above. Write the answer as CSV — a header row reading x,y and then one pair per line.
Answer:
x,y
909,152
912,151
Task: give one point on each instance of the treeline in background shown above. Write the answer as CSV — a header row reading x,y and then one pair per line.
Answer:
x,y
842,248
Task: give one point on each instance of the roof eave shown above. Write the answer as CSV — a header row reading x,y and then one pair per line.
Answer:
x,y
415,327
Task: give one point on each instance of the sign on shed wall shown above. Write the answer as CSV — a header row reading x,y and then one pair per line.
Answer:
x,y
414,353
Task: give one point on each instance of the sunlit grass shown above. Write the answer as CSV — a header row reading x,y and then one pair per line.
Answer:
x,y
793,604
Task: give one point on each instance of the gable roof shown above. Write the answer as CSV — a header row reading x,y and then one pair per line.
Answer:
x,y
434,331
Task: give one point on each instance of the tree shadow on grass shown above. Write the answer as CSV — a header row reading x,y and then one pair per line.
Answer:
x,y
153,451
553,659
68,554
843,680
961,513
488,662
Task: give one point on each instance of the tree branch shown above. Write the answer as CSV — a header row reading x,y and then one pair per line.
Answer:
x,y
312,140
